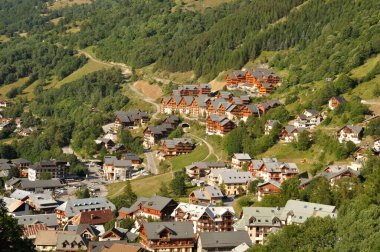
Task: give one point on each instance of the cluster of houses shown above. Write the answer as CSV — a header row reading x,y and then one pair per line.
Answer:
x,y
121,169
15,124
154,133
221,111
258,80
159,223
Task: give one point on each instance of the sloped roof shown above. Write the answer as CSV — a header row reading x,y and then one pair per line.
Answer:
x,y
20,194
224,239
74,206
242,156
49,219
262,216
178,230
96,217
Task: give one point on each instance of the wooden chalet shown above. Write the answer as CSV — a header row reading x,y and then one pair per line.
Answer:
x,y
218,125
176,146
167,236
268,188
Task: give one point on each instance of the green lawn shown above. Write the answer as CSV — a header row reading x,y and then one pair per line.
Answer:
x,y
90,67
198,154
362,70
5,89
366,89
146,186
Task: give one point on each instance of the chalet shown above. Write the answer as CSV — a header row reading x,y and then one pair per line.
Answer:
x,y
130,119
154,133
89,232
235,78
350,133
40,185
30,231
332,174
269,126
50,220
42,202
46,240
208,195
266,88
167,236
233,112
239,160
205,218
95,217
202,169
193,90
269,104
218,125
172,120
360,154
260,75
71,242
133,158
185,105
297,212
290,133
268,188
310,118
241,100
198,106
259,222
16,207
114,246
114,234
250,110
225,95
56,169
156,207
169,104
223,241
271,169
174,147
235,182
106,143
336,101
72,207
115,169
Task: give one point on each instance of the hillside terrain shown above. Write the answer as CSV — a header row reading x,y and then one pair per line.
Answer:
x,y
68,67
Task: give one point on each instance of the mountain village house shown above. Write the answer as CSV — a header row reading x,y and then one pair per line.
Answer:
x,y
310,118
239,160
350,133
219,125
115,169
208,195
72,207
235,182
336,101
199,170
154,133
290,133
55,168
269,126
174,147
271,169
131,119
268,188
205,218
156,207
234,241
167,236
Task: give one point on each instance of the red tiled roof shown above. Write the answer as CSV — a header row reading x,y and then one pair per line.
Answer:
x,y
96,217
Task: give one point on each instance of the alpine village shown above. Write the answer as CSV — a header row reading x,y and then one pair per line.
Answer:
x,y
190,125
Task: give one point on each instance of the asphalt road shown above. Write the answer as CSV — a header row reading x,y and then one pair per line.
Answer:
x,y
151,165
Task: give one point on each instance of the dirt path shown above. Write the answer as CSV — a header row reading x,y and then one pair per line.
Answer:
x,y
147,99
125,69
209,146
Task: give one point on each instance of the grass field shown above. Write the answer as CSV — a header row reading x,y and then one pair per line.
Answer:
x,y
366,89
146,186
5,89
90,67
198,154
199,5
362,70
59,4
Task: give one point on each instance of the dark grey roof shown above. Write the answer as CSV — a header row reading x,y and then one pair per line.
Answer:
x,y
131,115
27,184
178,230
340,99
5,166
20,161
157,202
97,246
224,239
49,219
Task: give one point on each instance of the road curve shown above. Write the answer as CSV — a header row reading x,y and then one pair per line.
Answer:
x,y
209,146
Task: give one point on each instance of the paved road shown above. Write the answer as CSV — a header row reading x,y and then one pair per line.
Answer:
x,y
151,165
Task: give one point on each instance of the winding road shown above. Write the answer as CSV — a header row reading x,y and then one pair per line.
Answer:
x,y
151,165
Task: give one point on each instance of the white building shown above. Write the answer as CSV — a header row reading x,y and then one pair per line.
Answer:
x,y
350,133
